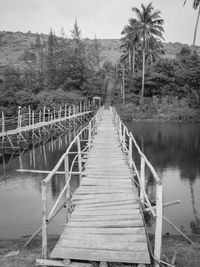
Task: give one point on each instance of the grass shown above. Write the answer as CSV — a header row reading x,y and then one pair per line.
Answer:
x,y
187,255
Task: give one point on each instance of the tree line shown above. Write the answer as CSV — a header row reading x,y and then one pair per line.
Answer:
x,y
145,72
60,71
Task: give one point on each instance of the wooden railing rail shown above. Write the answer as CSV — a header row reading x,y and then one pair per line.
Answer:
x,y
68,170
45,115
127,141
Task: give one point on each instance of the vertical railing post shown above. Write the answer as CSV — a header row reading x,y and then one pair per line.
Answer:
x,y
33,119
3,127
60,112
29,115
69,111
44,221
120,131
130,151
80,106
124,137
44,111
54,113
142,176
158,227
89,135
67,194
48,115
79,157
65,110
40,116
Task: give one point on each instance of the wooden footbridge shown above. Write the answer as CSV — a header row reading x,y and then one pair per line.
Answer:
x,y
34,127
104,217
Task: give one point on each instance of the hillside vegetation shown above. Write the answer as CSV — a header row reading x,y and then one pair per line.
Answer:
x,y
14,44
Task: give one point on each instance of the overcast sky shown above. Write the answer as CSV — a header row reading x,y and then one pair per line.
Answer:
x,y
105,18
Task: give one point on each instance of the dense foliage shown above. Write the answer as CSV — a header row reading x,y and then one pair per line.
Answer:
x,y
53,72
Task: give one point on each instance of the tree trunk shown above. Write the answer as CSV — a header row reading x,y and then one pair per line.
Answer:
x,y
196,27
143,74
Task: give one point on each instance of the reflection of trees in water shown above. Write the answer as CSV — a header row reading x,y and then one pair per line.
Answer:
x,y
171,145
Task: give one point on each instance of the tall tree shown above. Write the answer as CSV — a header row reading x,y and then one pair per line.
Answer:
x,y
149,25
196,5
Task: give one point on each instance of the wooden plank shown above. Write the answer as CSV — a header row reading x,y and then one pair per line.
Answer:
x,y
110,205
110,238
101,255
100,244
104,231
99,224
100,212
111,196
88,218
61,263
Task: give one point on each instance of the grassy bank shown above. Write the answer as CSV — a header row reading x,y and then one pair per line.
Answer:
x,y
161,113
187,255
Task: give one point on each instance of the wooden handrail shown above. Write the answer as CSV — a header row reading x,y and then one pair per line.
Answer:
x,y
91,127
141,179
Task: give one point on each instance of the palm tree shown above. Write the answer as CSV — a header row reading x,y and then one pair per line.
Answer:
x,y
130,42
149,24
196,4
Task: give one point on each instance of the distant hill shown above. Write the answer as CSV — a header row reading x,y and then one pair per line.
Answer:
x,y
14,44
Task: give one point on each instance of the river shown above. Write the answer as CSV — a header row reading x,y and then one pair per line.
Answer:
x,y
172,148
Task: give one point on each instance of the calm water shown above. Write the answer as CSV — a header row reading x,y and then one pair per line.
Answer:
x,y
173,149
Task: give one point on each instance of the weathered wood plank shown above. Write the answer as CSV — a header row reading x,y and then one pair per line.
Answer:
x,y
111,238
106,231
102,255
102,244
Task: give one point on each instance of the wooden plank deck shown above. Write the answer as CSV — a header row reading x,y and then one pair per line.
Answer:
x,y
106,224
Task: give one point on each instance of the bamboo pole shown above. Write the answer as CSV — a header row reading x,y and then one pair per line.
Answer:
x,y
29,115
89,135
158,227
130,151
44,111
67,195
44,221
79,157
142,176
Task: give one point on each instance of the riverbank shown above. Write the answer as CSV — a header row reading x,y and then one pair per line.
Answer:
x,y
12,253
130,112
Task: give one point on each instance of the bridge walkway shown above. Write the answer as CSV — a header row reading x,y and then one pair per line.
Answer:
x,y
106,224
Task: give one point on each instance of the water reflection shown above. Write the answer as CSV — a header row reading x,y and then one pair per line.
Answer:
x,y
20,193
174,151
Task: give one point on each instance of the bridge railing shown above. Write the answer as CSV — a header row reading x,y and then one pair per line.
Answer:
x,y
32,117
89,130
128,143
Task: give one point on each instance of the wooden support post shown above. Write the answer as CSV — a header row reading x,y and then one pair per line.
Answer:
x,y
124,137
142,176
54,113
80,106
3,129
69,111
33,118
44,111
120,131
29,115
89,135
67,194
65,110
40,116
44,221
158,226
60,112
48,115
130,151
19,116
79,157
